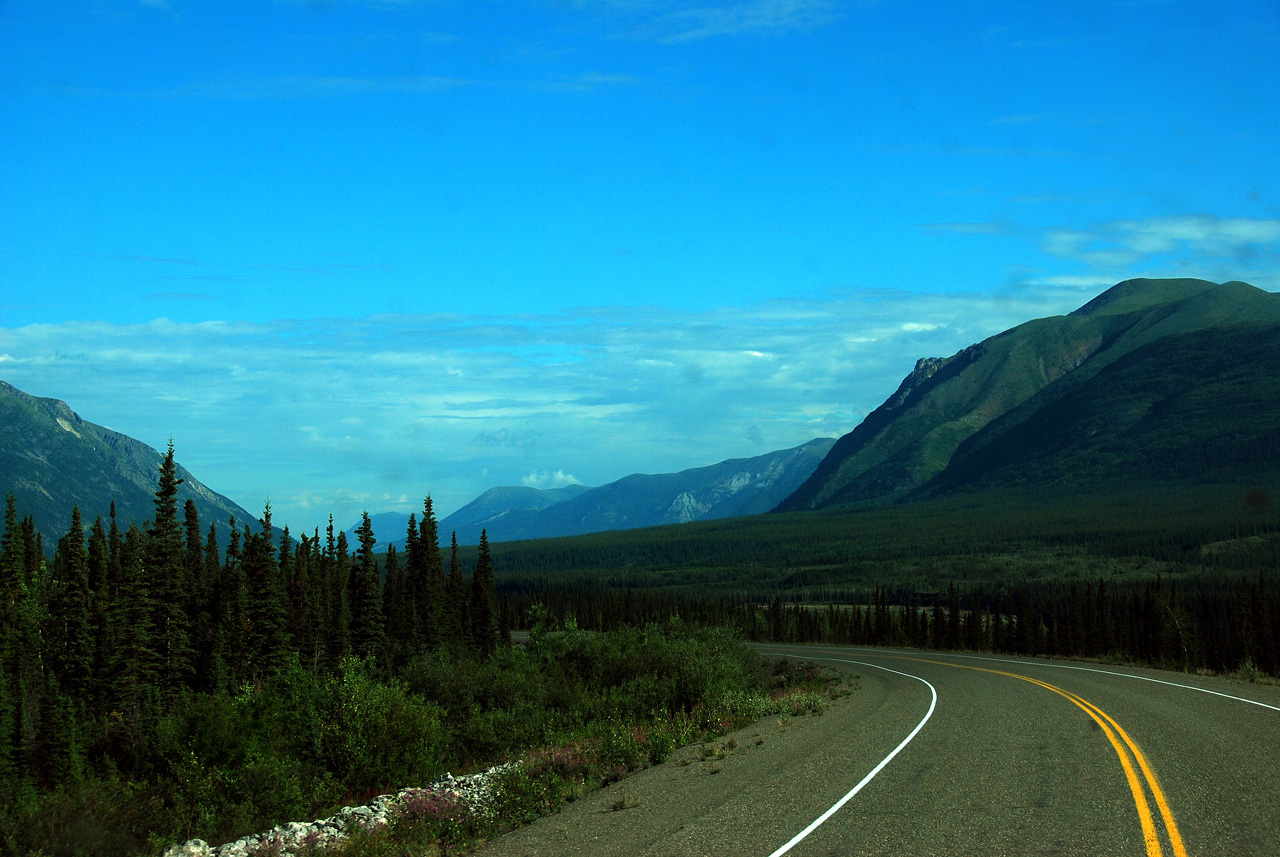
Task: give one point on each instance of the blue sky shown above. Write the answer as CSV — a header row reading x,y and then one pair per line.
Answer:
x,y
349,253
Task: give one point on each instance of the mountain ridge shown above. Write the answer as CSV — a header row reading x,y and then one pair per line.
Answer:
x,y
729,488
945,403
52,459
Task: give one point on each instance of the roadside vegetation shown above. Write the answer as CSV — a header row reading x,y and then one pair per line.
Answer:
x,y
153,691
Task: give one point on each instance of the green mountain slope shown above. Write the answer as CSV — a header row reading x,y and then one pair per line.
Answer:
x,y
52,459
1201,405
944,404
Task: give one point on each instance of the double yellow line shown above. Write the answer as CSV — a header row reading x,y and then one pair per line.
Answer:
x,y
1112,730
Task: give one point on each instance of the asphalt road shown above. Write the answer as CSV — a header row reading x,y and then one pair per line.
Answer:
x,y
1017,756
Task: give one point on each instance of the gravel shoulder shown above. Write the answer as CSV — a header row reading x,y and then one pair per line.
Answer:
x,y
751,800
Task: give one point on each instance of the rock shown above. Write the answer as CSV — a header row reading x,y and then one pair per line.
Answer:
x,y
473,792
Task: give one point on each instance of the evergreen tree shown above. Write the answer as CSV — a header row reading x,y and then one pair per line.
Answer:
x,y
953,617
193,556
168,582
340,600
428,582
396,609
973,634
99,594
458,611
300,598
484,618
70,635
267,613
233,619
368,625
138,658
414,567
12,597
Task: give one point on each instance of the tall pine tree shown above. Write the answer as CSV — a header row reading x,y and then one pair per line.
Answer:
x,y
368,626
484,614
168,583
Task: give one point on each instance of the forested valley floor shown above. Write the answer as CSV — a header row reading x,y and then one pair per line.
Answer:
x,y
154,688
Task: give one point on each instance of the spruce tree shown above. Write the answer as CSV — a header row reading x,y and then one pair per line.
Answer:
x,y
138,655
168,582
98,563
414,567
368,625
300,598
484,618
458,612
397,609
429,583
70,636
425,580
233,620
952,636
340,600
267,613
973,627
193,556
12,590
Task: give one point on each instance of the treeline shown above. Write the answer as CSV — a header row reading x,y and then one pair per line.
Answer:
x,y
102,641
1218,624
1227,526
154,690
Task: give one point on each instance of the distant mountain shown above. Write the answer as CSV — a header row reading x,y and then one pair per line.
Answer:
x,y
739,486
495,508
1153,379
52,459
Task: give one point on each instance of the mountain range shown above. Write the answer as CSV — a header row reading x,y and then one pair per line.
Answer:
x,y
1153,379
738,486
52,459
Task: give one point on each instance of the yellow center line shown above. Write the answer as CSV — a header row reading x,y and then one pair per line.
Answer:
x,y
1105,721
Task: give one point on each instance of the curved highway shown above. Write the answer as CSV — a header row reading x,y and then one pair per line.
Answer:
x,y
950,754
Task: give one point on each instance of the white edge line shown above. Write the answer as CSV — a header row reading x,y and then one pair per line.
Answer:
x,y
1103,672
817,822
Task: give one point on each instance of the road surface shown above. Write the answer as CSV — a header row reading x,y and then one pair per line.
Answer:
x,y
947,754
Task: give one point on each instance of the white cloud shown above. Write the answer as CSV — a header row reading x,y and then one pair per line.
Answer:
x,y
543,480
1197,239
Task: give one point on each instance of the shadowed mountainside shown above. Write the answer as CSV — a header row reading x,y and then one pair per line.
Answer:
x,y
1142,378
52,459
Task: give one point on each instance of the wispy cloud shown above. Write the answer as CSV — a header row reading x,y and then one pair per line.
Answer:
x,y
305,87
761,17
309,86
675,21
1183,240
453,405
177,296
